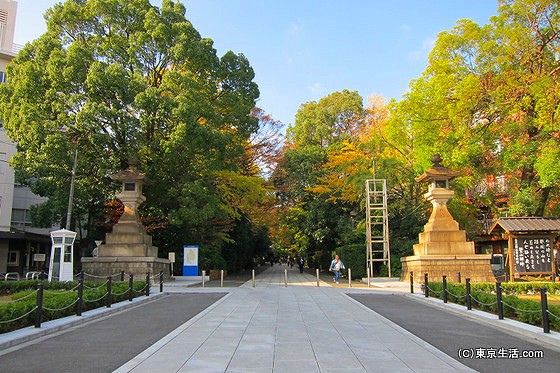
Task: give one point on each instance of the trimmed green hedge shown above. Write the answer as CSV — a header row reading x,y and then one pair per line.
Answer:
x,y
59,300
484,298
10,287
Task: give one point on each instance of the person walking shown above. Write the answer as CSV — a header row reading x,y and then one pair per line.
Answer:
x,y
301,263
336,267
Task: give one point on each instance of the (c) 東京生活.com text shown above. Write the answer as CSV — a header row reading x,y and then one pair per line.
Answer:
x,y
498,353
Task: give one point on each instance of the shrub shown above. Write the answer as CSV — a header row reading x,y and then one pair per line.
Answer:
x,y
59,303
457,293
484,298
554,316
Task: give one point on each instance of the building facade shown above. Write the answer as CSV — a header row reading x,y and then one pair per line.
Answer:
x,y
23,248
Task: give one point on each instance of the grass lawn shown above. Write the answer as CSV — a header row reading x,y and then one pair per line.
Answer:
x,y
552,299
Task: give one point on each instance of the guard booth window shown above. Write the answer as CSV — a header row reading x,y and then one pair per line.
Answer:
x,y
67,253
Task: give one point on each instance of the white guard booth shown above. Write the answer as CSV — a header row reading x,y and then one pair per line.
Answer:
x,y
61,266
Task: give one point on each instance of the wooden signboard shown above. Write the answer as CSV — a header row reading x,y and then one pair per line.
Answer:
x,y
533,254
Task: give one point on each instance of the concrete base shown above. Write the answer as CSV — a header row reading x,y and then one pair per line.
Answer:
x,y
138,266
474,266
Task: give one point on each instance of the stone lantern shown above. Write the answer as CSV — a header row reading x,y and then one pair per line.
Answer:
x,y
131,195
442,248
128,247
438,194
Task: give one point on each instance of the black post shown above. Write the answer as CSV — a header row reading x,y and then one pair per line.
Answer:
x,y
122,276
468,297
544,307
109,290
161,281
426,288
444,289
39,310
80,303
499,300
411,282
459,277
148,284
130,287
82,275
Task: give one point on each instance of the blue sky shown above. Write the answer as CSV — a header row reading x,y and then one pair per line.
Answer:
x,y
302,50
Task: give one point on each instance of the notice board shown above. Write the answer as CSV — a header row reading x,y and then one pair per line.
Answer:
x,y
532,254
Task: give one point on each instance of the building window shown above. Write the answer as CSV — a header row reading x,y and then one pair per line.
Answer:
x,y
2,77
3,26
21,217
13,258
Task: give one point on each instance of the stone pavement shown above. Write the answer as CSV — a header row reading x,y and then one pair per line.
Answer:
x,y
301,327
271,327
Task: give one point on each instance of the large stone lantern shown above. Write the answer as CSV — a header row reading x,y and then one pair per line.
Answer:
x,y
128,248
442,248
441,226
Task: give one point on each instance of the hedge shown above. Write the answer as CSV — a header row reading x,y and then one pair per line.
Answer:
x,y
58,303
484,299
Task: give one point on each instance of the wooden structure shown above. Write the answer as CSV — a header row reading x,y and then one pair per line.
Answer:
x,y
531,242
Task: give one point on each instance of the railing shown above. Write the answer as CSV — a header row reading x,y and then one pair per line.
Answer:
x,y
496,301
79,297
10,276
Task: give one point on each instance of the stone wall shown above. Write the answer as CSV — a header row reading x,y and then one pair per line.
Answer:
x,y
107,266
476,267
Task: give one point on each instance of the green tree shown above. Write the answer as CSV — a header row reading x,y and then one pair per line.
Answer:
x,y
488,102
315,224
128,80
332,118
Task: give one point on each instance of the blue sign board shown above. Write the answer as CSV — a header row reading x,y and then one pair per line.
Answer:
x,y
190,260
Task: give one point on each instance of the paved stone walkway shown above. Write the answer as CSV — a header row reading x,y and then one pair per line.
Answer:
x,y
270,327
301,327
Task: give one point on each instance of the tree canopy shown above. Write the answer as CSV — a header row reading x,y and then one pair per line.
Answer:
x,y
122,80
488,102
126,81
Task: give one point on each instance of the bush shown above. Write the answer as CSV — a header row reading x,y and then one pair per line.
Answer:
x,y
59,303
484,298
457,293
554,316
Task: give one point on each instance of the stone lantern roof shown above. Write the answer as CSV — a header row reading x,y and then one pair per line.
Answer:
x,y
437,171
130,174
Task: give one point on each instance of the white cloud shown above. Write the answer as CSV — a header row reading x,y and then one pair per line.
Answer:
x,y
423,51
316,88
295,29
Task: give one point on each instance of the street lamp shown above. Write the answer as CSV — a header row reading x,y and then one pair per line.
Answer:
x,y
61,264
71,193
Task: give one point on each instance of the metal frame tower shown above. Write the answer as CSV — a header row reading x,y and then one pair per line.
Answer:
x,y
377,224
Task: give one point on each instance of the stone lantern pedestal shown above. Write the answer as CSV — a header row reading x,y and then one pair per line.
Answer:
x,y
128,248
443,248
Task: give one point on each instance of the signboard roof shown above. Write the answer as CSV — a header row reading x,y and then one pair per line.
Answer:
x,y
526,224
